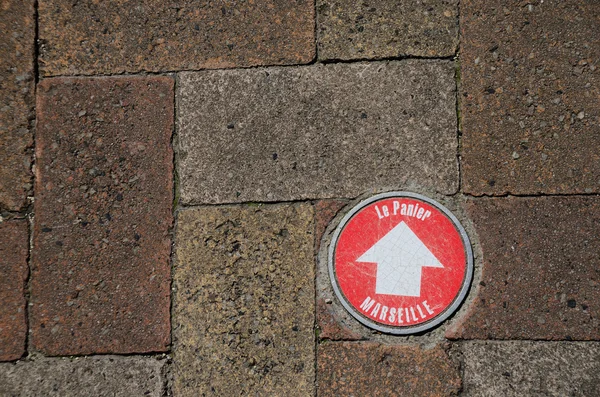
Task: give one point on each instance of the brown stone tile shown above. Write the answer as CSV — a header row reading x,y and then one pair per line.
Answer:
x,y
384,28
371,369
243,312
530,90
330,325
541,270
17,27
102,37
325,211
14,249
101,274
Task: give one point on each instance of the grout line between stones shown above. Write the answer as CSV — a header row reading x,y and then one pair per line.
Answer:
x,y
294,65
30,214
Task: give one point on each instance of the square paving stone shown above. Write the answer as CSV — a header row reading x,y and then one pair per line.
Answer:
x,y
541,270
386,28
371,369
512,369
14,250
103,212
321,131
243,314
17,90
83,377
530,90
109,37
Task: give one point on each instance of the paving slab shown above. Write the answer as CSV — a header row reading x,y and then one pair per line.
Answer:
x,y
322,131
530,369
541,270
243,309
383,29
83,377
14,251
141,35
530,89
371,369
17,93
330,325
103,212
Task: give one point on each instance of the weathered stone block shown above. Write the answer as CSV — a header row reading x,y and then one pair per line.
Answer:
x,y
244,301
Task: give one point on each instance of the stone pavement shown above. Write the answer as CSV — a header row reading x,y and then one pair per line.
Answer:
x,y
171,174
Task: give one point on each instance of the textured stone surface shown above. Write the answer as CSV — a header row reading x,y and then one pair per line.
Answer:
x,y
322,131
384,28
131,36
541,270
514,369
330,325
530,94
17,26
370,369
14,249
82,377
244,301
101,274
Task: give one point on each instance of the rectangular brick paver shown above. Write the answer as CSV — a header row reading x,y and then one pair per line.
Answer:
x,y
321,131
530,93
541,270
101,273
384,28
369,369
514,369
244,301
83,377
109,37
14,250
17,27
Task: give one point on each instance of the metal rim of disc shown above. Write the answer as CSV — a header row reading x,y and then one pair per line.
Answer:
x,y
419,327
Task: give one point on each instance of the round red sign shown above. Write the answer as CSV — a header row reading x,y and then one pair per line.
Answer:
x,y
400,262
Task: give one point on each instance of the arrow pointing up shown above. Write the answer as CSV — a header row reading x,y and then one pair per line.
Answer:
x,y
400,257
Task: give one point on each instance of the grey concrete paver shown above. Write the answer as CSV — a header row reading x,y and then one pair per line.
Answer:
x,y
514,369
321,131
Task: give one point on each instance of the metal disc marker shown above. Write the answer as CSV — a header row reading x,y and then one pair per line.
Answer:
x,y
400,262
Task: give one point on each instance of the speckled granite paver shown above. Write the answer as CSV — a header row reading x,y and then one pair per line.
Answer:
x,y
104,175
14,250
84,377
110,37
515,369
243,314
17,90
320,131
530,88
383,29
541,270
371,369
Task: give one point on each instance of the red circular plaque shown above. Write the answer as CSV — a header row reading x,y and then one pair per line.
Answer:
x,y
400,262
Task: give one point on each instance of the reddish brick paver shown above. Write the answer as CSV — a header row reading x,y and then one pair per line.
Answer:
x,y
530,93
131,36
371,369
101,274
17,29
541,270
330,325
14,245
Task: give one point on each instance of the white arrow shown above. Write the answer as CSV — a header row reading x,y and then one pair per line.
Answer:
x,y
400,256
